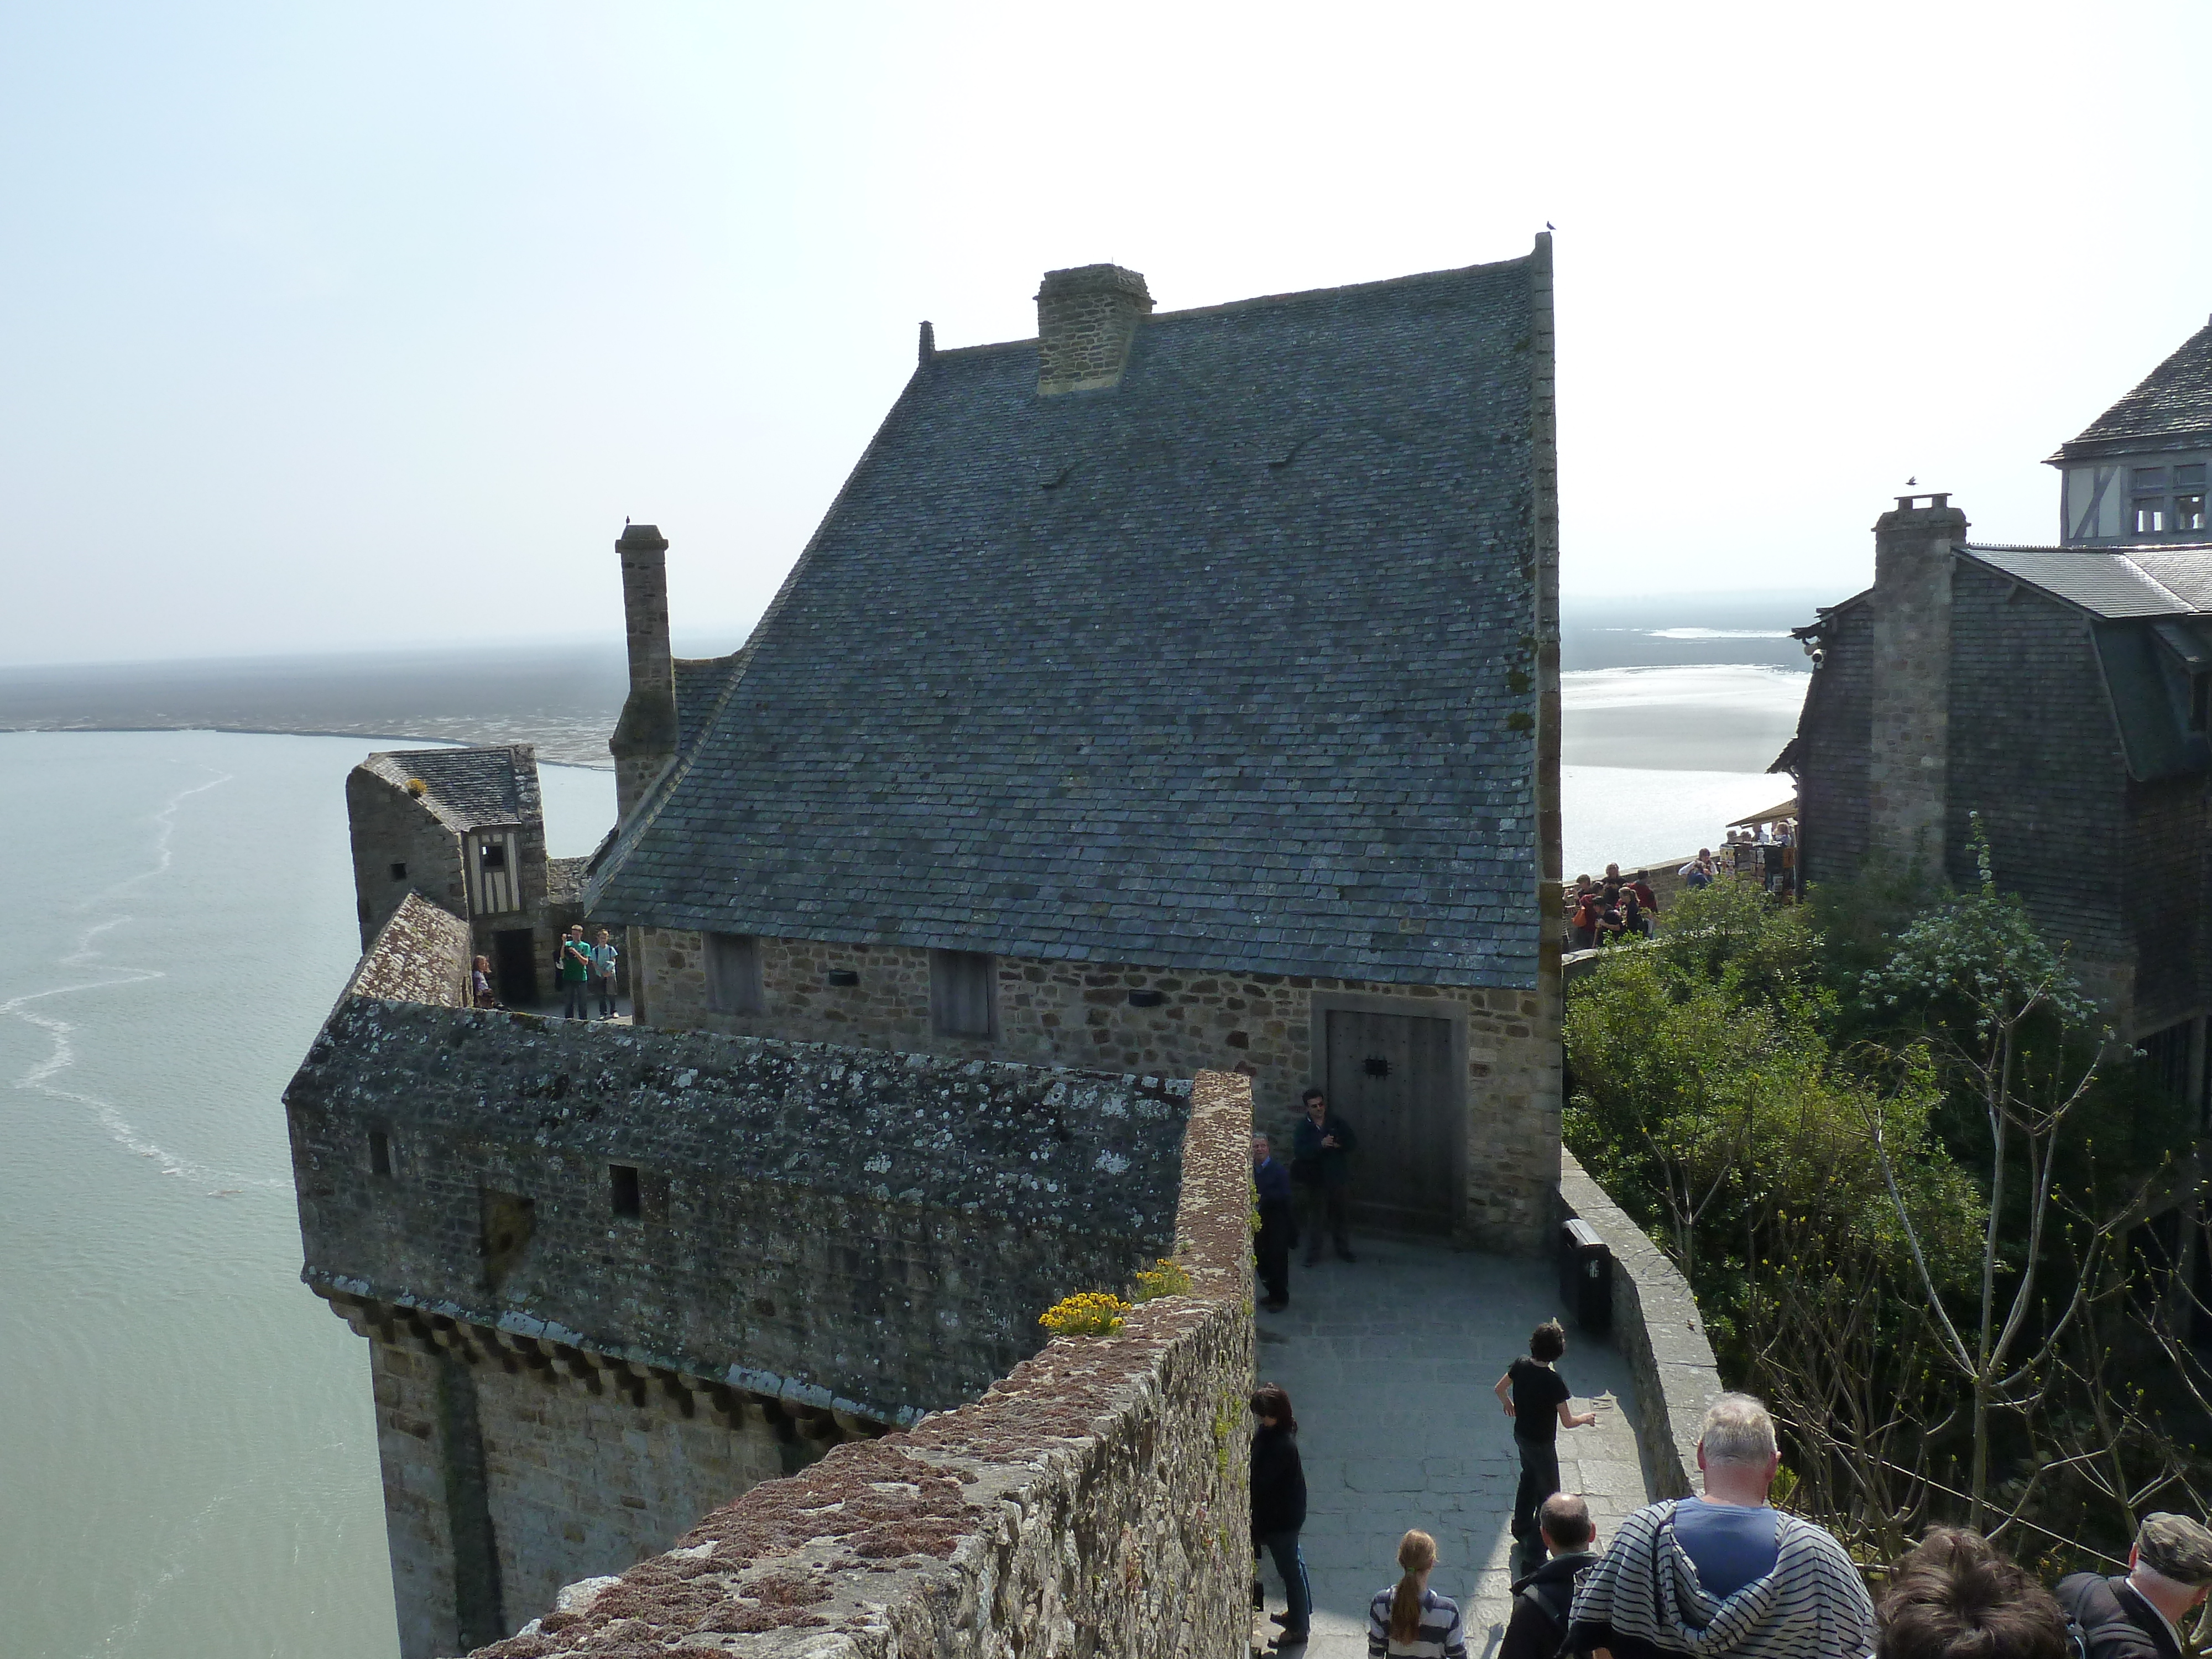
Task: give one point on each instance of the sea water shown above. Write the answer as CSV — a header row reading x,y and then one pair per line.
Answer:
x,y
188,1457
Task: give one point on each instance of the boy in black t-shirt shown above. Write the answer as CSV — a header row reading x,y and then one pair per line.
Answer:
x,y
1535,1397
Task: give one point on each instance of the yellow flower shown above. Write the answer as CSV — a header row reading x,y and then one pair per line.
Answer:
x,y
1088,1313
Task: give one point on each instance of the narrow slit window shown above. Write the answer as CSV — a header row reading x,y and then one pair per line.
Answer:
x,y
963,987
622,1191
734,974
399,873
379,1152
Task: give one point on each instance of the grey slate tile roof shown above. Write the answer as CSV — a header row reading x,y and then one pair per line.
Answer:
x,y
2171,408
2184,572
1228,666
468,788
2109,584
700,683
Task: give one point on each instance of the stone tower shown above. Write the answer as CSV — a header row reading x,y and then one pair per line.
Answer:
x,y
1907,768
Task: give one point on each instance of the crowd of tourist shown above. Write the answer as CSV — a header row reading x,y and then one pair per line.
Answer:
x,y
1726,1575
1616,908
1602,913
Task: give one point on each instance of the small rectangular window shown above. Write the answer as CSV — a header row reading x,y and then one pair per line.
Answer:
x,y
2189,512
733,974
2150,518
379,1152
399,873
962,992
622,1190
2149,481
2190,476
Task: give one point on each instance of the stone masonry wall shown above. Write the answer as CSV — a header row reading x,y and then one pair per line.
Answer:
x,y
1095,1502
1834,749
1260,1025
1658,1330
1908,760
574,1486
874,1233
2053,805
390,826
512,1467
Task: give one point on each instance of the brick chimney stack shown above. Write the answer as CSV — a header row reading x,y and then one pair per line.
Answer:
x,y
1909,756
1086,318
645,737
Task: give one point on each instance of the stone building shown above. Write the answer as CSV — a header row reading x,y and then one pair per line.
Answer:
x,y
2062,694
1173,691
464,828
1166,713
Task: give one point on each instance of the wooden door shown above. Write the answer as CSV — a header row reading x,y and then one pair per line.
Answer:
x,y
515,966
1392,1077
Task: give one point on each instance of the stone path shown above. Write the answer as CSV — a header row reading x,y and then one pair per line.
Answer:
x,y
1389,1362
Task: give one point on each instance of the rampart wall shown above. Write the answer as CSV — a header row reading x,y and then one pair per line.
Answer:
x,y
611,1278
1094,1501
1658,1330
1267,1027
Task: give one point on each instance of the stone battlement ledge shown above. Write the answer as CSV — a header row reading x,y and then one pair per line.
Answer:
x,y
1096,1496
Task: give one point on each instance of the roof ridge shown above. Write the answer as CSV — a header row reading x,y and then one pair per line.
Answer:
x,y
1288,297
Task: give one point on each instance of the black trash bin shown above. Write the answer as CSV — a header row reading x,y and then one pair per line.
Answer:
x,y
1586,1277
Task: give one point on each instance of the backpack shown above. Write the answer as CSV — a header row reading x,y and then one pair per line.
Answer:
x,y
1554,1600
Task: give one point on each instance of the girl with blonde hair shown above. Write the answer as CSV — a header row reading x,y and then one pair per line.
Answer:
x,y
1409,1619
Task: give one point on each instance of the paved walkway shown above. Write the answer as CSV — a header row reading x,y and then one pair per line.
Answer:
x,y
1389,1362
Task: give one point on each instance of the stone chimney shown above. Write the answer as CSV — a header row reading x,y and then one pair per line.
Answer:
x,y
645,737
1086,318
1908,759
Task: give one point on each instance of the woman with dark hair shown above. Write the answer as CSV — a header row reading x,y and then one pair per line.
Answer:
x,y
1956,1597
1279,1506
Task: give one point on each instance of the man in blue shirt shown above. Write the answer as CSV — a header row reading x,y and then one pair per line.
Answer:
x,y
1678,1568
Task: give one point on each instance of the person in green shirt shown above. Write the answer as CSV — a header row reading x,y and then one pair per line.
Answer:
x,y
576,974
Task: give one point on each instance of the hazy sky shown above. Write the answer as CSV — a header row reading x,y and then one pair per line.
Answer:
x,y
343,325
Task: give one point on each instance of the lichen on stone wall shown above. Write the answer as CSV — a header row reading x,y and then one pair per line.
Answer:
x,y
420,955
1085,1504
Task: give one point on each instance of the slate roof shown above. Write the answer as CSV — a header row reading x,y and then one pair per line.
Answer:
x,y
1228,666
2150,615
468,788
2105,583
2172,409
700,683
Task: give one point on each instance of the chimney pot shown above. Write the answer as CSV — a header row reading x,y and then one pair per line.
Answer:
x,y
1087,318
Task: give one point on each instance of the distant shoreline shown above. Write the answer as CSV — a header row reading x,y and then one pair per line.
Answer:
x,y
554,749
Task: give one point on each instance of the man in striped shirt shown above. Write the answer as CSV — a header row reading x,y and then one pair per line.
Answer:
x,y
1724,1574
